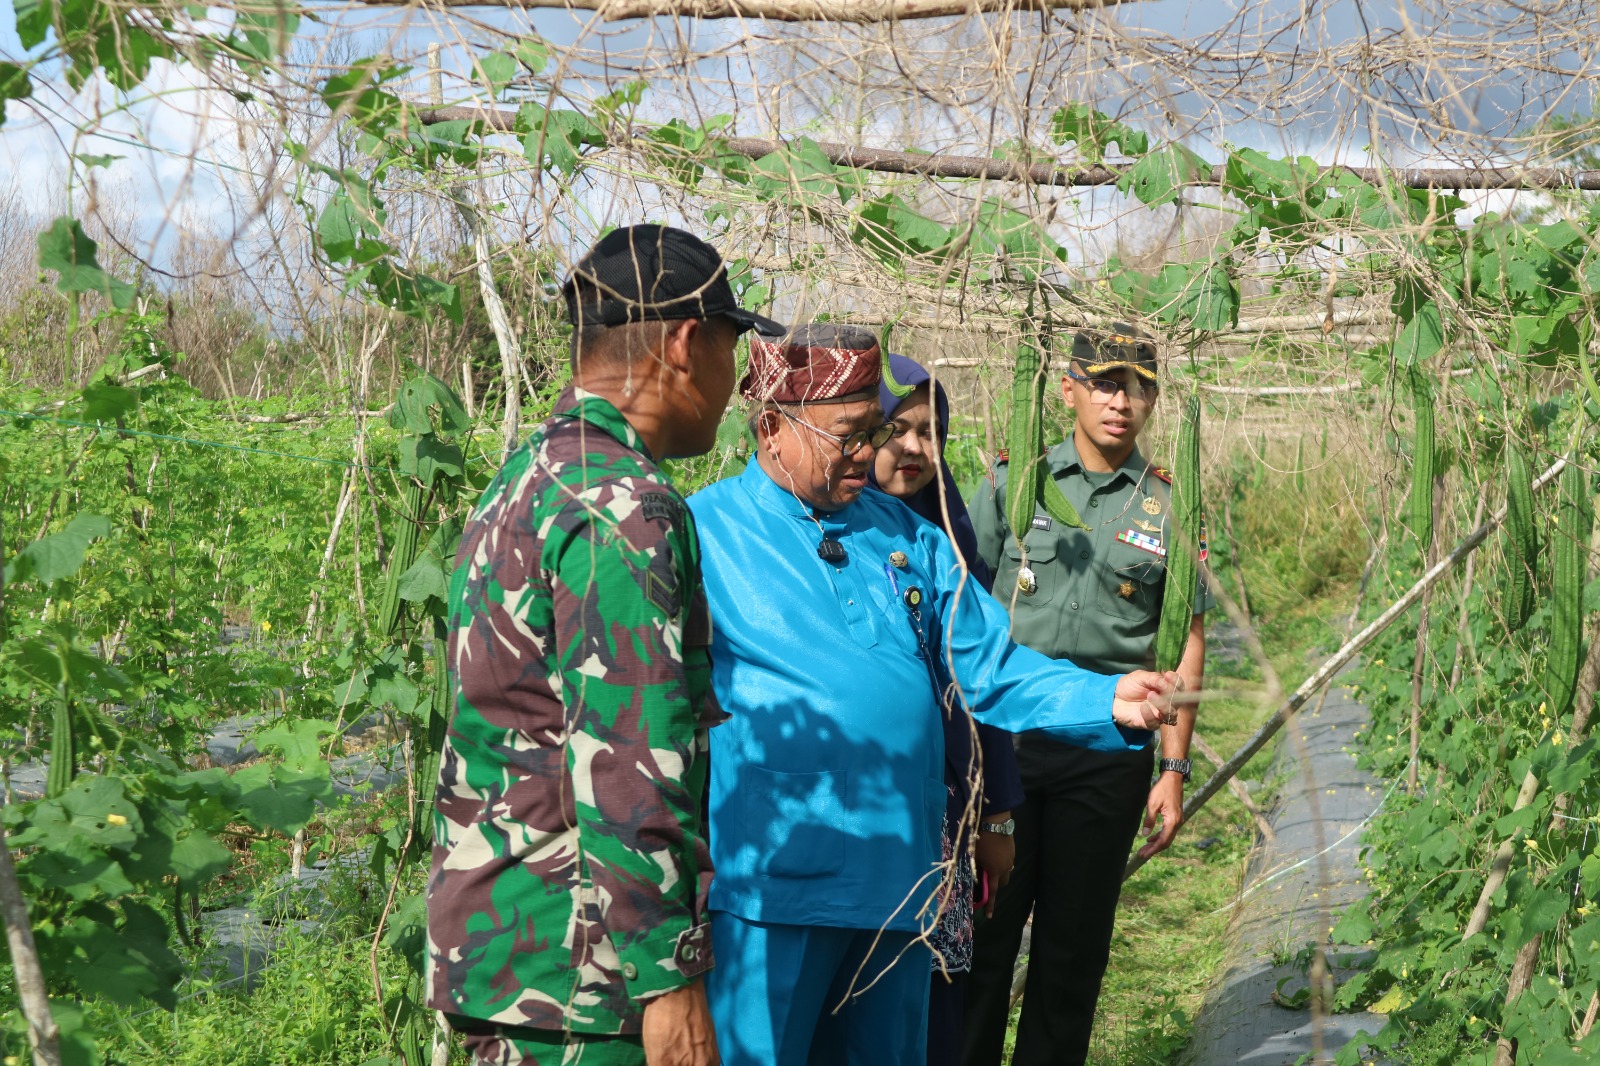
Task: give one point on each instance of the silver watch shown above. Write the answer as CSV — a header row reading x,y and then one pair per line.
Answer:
x,y
1005,828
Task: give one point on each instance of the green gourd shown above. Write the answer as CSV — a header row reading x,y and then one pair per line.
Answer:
x,y
1569,554
1183,544
1522,541
1419,507
1028,482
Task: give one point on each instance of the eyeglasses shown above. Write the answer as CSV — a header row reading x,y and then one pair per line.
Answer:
x,y
1102,389
877,436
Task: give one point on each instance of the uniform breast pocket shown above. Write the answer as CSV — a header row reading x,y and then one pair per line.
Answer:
x,y
1039,583
1131,587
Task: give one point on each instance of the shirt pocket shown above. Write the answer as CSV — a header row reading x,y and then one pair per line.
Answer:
x,y
1130,587
794,822
1048,578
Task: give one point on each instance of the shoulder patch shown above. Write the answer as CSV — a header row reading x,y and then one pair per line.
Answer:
x,y
1003,457
662,506
1163,473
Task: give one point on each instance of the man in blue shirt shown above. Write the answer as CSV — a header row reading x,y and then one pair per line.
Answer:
x,y
838,618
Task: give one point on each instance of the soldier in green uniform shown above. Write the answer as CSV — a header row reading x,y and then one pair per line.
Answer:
x,y
1093,597
566,901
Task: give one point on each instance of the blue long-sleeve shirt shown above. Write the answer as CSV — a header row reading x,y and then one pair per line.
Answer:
x,y
827,783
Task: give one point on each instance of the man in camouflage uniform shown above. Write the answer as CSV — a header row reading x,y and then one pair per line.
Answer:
x,y
566,919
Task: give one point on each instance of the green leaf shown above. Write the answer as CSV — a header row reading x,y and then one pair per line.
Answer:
x,y
425,578
396,689
300,741
553,138
356,93
1161,175
107,403
67,250
1421,338
498,70
14,85
92,161
94,809
415,295
34,19
1199,295
58,555
281,798
411,410
426,458
532,52
264,32
1094,131
799,167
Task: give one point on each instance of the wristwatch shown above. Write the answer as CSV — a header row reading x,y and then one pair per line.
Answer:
x,y
1182,766
1005,828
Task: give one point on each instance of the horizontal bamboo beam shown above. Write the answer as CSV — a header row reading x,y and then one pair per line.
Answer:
x,y
942,165
857,11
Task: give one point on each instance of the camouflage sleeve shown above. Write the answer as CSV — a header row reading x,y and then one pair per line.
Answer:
x,y
623,577
988,517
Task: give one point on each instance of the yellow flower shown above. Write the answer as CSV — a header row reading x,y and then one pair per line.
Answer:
x,y
266,627
116,819
1557,739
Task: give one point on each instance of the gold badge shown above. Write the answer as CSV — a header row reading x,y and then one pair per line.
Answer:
x,y
1151,505
1125,590
1148,527
898,560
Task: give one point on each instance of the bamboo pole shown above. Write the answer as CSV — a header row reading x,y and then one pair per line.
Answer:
x,y
949,165
28,975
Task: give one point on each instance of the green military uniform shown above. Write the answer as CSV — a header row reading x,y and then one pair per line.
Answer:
x,y
1095,598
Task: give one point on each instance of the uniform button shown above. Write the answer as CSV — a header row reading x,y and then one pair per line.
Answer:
x,y
1083,555
1094,503
630,971
1074,605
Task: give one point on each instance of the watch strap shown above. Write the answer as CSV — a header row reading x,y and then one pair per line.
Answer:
x,y
1182,766
1005,828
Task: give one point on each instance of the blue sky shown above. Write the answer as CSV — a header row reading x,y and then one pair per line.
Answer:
x,y
192,167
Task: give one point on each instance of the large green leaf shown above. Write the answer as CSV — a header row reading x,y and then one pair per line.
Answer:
x,y
58,555
70,252
498,69
1421,338
14,85
1161,175
278,797
1094,131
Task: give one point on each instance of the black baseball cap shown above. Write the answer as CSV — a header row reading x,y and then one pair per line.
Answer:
x,y
1123,345
654,273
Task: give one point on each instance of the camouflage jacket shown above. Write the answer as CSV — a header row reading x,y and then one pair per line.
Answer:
x,y
570,863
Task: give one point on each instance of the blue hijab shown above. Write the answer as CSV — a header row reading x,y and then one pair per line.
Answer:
x,y
925,501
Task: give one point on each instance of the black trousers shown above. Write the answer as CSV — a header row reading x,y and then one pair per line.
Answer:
x,y
1074,830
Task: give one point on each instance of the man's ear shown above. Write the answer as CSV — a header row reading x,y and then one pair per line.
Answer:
x,y
677,345
1066,393
767,429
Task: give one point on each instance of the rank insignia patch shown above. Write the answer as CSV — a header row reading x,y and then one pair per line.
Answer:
x,y
1125,590
1151,505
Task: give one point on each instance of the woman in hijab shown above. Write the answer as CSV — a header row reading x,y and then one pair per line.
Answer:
x,y
910,467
